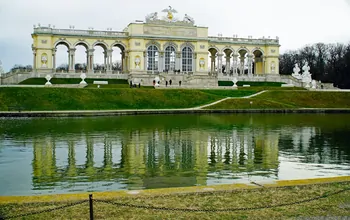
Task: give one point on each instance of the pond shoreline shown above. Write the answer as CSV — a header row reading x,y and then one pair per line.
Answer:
x,y
88,113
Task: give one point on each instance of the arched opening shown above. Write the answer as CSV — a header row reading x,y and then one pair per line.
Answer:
x,y
60,59
187,59
169,58
100,58
152,58
227,68
242,62
258,64
118,58
213,58
81,58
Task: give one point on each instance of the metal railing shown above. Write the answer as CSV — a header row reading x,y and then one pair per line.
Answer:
x,y
91,202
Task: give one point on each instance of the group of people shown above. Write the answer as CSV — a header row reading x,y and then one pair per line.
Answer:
x,y
166,82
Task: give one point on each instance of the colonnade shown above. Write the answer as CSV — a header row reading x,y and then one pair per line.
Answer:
x,y
108,63
239,61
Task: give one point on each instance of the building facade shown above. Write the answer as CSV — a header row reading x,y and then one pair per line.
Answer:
x,y
159,45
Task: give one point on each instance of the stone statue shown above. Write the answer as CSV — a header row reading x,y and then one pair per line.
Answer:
x,y
306,76
137,62
170,12
296,72
44,60
1,69
313,84
188,19
152,17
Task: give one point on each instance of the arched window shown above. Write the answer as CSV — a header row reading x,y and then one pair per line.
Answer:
x,y
187,59
152,58
170,58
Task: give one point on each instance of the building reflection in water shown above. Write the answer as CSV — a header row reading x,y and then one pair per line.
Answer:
x,y
157,158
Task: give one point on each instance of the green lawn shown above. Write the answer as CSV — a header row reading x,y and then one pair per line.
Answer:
x,y
289,99
15,98
331,205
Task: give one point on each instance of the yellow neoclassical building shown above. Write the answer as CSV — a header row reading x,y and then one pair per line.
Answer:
x,y
162,44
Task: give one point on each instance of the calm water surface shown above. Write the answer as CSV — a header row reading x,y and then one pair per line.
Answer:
x,y
66,155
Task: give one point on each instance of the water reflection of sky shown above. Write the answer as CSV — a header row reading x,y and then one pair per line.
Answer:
x,y
137,157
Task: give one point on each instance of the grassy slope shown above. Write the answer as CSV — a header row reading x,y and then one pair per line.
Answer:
x,y
107,99
289,99
336,205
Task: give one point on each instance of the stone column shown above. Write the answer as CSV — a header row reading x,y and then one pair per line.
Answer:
x,y
123,61
241,69
235,60
228,66
161,62
145,61
220,64
263,64
105,60
250,64
54,60
194,63
71,60
34,61
178,61
126,61
212,65
109,61
90,60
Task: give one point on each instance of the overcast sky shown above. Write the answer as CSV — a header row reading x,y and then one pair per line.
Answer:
x,y
296,22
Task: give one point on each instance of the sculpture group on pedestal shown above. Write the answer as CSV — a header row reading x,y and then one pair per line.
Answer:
x,y
305,77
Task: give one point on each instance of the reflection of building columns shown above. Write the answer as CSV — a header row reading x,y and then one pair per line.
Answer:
x,y
178,61
250,64
235,59
241,69
161,62
220,63
54,60
71,60
34,60
228,62
109,61
90,60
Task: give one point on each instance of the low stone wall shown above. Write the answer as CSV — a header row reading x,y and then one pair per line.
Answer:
x,y
16,78
162,111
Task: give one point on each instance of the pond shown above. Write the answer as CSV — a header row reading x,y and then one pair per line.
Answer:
x,y
72,155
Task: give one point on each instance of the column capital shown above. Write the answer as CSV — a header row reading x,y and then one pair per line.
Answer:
x,y
220,55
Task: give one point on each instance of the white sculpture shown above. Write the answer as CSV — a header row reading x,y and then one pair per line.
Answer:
x,y
313,84
137,62
157,81
234,80
188,19
48,78
83,77
306,76
1,69
151,17
296,72
44,61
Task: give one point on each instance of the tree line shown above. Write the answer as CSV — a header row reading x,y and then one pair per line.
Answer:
x,y
328,62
